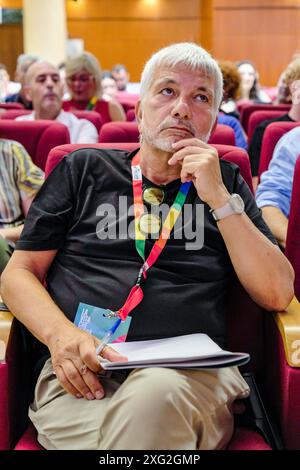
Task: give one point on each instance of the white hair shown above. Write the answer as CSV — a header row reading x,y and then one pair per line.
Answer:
x,y
189,54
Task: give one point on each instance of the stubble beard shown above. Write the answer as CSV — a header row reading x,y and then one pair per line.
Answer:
x,y
163,143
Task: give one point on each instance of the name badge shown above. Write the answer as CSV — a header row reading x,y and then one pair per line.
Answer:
x,y
97,321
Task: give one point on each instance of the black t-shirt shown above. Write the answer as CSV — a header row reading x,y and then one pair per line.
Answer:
x,y
185,290
256,141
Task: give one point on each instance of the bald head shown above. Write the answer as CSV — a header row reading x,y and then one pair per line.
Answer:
x,y
36,68
44,88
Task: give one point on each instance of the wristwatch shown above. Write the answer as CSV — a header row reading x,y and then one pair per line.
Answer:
x,y
235,205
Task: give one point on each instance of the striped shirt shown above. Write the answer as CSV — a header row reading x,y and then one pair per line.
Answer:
x,y
20,180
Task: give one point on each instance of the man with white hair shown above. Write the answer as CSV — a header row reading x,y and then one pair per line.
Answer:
x,y
95,265
44,88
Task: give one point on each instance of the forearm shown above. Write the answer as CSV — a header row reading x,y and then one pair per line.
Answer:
x,y
12,233
260,266
31,304
277,222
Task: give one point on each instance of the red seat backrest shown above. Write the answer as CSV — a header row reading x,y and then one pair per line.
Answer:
x,y
248,108
273,133
14,113
11,106
233,154
91,116
130,115
223,135
127,98
38,137
259,116
292,250
57,153
119,132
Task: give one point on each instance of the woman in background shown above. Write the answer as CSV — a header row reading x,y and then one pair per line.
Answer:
x,y
250,88
83,76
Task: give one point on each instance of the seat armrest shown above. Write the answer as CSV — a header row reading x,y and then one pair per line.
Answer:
x,y
288,323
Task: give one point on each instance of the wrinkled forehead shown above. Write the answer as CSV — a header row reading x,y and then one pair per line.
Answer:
x,y
183,75
41,69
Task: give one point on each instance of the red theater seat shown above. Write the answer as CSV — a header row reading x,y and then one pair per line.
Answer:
x,y
273,133
91,116
38,137
223,135
119,131
130,115
292,250
58,153
259,116
233,154
11,106
246,109
13,113
250,329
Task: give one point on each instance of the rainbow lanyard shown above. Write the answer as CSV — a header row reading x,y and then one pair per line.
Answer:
x,y
136,294
91,104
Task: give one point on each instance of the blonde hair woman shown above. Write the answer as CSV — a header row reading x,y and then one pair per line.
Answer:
x,y
83,76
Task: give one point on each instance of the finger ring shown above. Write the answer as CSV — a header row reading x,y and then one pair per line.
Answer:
x,y
83,369
103,350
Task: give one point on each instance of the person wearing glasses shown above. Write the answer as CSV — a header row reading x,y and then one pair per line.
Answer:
x,y
83,75
44,88
107,256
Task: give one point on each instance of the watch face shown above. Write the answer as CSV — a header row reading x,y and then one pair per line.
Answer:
x,y
237,203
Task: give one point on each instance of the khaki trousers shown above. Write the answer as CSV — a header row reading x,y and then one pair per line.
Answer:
x,y
151,409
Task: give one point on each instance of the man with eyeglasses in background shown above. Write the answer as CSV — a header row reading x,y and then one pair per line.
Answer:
x,y
44,88
182,291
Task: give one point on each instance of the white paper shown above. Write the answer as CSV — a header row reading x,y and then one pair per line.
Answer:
x,y
195,350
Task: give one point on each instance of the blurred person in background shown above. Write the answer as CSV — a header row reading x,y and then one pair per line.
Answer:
x,y
4,82
229,114
121,75
23,63
231,88
291,77
250,88
62,72
43,86
109,85
83,75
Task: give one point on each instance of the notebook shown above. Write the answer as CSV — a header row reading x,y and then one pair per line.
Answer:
x,y
188,351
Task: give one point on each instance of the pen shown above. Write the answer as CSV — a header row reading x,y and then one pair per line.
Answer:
x,y
107,336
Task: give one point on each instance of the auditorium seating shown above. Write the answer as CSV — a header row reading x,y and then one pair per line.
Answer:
x,y
130,115
119,132
263,334
246,109
292,250
38,137
223,135
273,133
259,116
11,106
234,154
91,116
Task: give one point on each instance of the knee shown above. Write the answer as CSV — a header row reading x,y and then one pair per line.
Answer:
x,y
155,389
